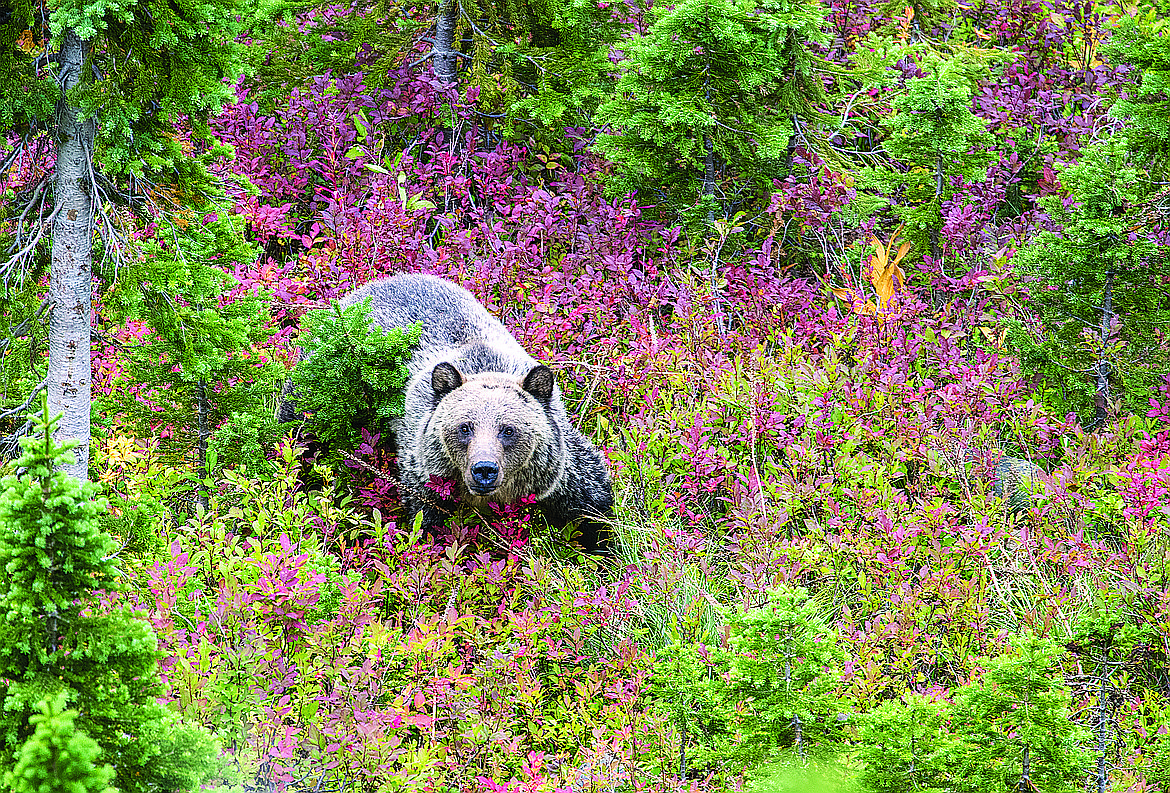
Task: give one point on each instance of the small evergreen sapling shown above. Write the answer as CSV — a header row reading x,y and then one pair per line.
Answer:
x,y
352,374
200,363
59,758
771,695
712,83
784,663
907,745
57,639
933,136
1015,725
1099,286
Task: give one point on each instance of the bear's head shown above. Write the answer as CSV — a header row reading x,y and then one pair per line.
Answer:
x,y
491,426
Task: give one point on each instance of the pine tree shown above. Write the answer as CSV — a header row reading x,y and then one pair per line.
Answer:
x,y
1144,43
934,136
123,91
709,101
906,745
784,662
1016,727
200,364
59,758
57,639
1099,287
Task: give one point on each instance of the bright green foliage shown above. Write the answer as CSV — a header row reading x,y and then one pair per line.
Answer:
x,y
56,639
59,758
1018,713
772,693
1110,635
50,551
542,59
731,75
784,663
158,61
907,745
352,373
688,684
1071,269
802,777
567,70
245,438
1159,771
935,134
175,285
174,288
1143,43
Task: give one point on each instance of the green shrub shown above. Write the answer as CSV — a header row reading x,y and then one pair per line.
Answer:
x,y
352,373
58,641
773,693
59,758
244,440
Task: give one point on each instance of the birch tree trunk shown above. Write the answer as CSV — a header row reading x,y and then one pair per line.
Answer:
x,y
70,273
445,55
1102,397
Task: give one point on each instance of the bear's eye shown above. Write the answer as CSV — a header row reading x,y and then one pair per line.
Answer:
x,y
465,429
507,432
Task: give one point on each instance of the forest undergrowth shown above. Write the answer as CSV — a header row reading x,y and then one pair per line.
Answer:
x,y
803,403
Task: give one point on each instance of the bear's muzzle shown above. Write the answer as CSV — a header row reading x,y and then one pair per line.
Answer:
x,y
484,476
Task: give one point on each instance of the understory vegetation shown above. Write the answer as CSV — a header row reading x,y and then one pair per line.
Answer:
x,y
807,275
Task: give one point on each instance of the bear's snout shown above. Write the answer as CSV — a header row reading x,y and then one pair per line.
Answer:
x,y
484,475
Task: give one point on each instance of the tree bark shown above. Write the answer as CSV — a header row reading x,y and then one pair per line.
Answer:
x,y
935,251
71,268
1101,400
445,55
204,434
709,178
1102,736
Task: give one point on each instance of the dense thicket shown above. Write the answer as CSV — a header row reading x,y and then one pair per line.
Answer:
x,y
816,277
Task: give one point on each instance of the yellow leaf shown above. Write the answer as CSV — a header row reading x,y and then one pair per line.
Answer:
x,y
902,251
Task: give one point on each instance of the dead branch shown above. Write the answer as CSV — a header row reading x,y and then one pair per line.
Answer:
x,y
23,406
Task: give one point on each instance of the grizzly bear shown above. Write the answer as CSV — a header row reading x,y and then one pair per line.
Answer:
x,y
482,413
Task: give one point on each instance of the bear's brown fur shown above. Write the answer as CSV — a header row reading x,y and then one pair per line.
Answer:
x,y
483,413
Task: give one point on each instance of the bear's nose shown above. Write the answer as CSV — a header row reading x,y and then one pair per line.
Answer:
x,y
484,473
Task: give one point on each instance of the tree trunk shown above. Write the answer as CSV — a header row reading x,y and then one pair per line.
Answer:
x,y
1101,401
204,434
935,251
709,178
790,150
445,55
70,273
1102,736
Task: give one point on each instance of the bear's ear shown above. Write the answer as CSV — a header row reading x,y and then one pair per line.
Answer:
x,y
445,378
539,382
